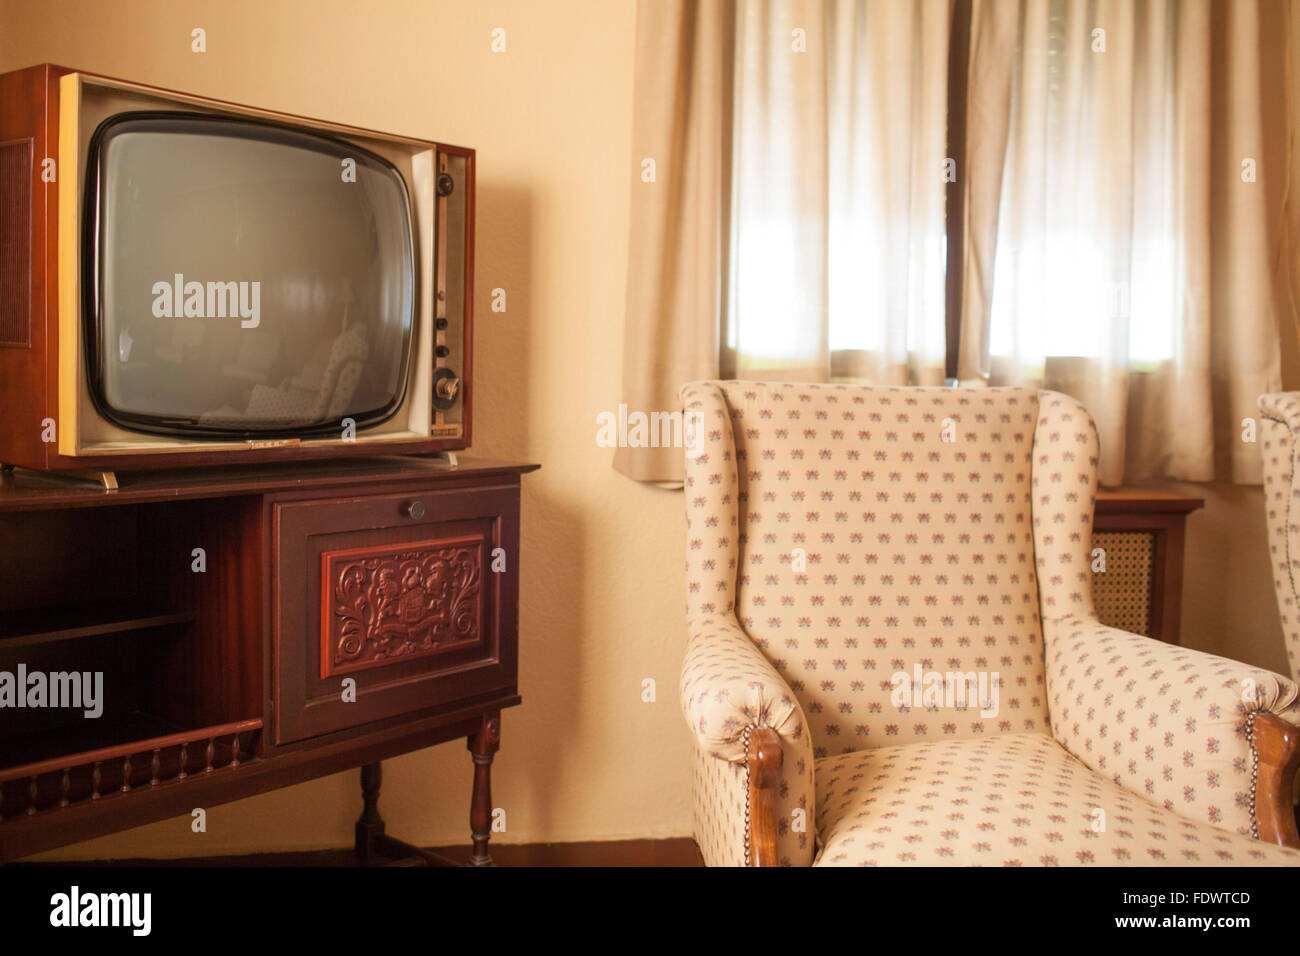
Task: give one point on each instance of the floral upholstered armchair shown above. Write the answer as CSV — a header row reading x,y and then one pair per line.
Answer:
x,y
893,656
1280,440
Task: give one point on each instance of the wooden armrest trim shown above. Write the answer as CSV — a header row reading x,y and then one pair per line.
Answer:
x,y
1275,745
763,759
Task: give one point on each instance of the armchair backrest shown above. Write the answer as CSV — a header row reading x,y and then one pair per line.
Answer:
x,y
1279,428
879,545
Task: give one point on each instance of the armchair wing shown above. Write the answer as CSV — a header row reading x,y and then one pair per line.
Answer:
x,y
1177,726
1180,727
728,685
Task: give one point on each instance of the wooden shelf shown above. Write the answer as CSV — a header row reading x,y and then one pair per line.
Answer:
x,y
45,625
1145,501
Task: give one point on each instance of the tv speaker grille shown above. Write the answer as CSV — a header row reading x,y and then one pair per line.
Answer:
x,y
16,243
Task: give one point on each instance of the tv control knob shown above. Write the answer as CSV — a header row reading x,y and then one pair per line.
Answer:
x,y
413,510
442,351
446,388
440,323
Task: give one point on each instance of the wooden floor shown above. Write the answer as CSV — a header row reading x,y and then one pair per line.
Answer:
x,y
680,851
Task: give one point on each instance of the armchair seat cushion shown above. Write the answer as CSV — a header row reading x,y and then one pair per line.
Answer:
x,y
1009,800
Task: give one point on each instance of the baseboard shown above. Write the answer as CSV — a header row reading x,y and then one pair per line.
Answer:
x,y
676,851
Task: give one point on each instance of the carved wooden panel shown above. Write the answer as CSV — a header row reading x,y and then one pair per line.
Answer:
x,y
389,603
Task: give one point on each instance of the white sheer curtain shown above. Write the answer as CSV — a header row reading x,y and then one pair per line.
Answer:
x,y
837,203
1108,217
1116,243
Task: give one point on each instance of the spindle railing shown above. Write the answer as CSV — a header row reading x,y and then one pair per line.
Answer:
x,y
223,747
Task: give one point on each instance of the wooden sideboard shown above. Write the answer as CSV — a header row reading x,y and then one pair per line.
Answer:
x,y
1142,533
251,629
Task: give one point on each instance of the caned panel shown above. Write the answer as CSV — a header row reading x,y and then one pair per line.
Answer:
x,y
1122,593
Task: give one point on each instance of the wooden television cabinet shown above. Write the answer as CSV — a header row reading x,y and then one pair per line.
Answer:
x,y
229,611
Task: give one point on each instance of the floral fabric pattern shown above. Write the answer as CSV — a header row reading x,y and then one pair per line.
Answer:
x,y
1167,722
718,797
1014,800
1279,427
883,529
728,685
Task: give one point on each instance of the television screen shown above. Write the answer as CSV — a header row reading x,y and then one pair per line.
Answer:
x,y
243,278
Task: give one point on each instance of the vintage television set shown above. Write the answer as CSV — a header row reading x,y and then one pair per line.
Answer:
x,y
187,281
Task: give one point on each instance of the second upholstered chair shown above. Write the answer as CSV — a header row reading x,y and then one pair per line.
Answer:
x,y
1279,434
893,657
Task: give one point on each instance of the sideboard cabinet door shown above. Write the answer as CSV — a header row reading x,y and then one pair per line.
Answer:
x,y
390,604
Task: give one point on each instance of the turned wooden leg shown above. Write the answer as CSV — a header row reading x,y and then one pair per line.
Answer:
x,y
370,825
481,747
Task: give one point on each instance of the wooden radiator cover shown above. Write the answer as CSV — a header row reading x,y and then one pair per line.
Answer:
x,y
1141,532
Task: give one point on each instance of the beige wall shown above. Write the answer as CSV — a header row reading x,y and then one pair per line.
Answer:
x,y
1228,603
583,758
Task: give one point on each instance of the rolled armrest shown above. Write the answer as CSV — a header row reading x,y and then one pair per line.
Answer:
x,y
728,686
1172,724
